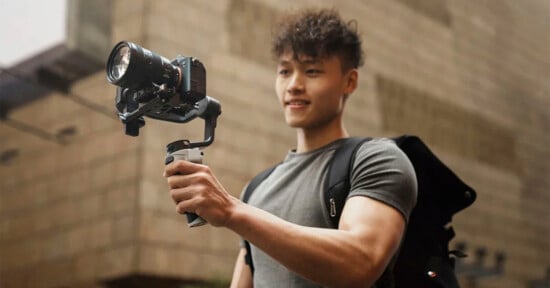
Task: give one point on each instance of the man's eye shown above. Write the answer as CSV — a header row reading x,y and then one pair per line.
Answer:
x,y
313,71
283,72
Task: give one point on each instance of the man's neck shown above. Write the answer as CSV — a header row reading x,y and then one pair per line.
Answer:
x,y
311,139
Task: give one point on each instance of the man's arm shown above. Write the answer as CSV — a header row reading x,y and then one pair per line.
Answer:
x,y
242,276
354,255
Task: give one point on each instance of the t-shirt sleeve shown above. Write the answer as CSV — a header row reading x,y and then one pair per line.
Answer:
x,y
383,172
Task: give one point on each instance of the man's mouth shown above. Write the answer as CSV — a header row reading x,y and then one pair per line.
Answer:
x,y
297,103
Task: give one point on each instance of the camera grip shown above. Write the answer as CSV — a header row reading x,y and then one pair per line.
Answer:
x,y
193,155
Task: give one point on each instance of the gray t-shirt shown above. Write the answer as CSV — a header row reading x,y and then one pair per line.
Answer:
x,y
294,192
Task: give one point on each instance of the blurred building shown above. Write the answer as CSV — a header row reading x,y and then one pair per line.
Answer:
x,y
83,205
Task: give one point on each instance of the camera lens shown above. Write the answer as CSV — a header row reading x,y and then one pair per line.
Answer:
x,y
120,62
132,66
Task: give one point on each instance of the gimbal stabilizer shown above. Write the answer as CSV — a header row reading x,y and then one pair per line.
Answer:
x,y
150,85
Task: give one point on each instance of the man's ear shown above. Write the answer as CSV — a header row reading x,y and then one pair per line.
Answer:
x,y
351,81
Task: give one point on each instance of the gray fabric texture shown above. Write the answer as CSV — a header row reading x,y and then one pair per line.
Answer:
x,y
294,192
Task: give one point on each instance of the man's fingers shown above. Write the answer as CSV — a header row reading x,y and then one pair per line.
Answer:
x,y
188,205
181,167
181,194
180,181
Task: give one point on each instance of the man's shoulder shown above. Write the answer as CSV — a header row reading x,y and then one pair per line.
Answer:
x,y
381,170
377,147
377,151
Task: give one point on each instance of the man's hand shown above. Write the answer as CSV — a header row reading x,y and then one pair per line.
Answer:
x,y
195,189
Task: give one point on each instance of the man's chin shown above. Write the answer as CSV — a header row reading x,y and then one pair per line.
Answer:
x,y
294,123
298,124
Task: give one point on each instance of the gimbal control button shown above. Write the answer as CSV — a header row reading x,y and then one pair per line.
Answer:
x,y
168,160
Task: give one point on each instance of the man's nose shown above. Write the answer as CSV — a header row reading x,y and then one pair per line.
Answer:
x,y
296,84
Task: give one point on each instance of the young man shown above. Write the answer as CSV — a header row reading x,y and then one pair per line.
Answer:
x,y
286,221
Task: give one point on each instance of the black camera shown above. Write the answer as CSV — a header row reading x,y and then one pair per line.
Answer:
x,y
153,86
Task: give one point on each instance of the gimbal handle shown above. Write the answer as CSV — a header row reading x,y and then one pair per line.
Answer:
x,y
193,155
209,109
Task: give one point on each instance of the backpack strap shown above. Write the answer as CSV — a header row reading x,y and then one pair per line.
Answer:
x,y
337,185
246,196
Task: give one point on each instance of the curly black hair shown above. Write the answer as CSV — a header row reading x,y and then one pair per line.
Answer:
x,y
318,33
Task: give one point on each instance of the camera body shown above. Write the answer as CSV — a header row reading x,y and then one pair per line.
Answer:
x,y
150,85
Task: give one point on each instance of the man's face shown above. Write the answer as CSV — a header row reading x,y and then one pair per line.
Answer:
x,y
312,91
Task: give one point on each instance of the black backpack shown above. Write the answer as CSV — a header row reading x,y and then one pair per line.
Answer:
x,y
424,259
